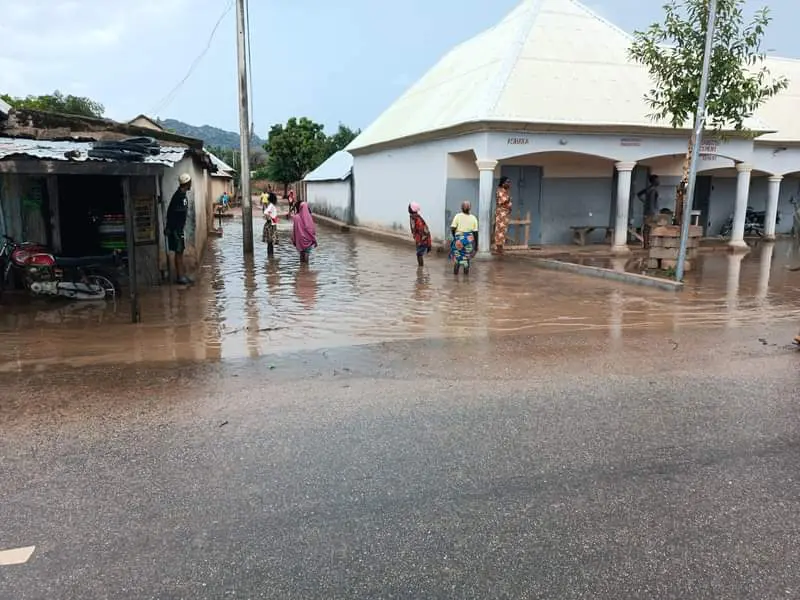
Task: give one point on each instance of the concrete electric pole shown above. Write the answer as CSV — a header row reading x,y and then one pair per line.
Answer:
x,y
244,130
699,123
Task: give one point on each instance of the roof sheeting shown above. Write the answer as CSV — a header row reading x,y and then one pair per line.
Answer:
x,y
338,167
548,62
79,151
223,168
5,107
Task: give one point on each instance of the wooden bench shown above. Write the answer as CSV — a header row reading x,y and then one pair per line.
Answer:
x,y
580,232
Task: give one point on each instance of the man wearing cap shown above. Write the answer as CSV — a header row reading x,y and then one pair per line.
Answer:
x,y
176,221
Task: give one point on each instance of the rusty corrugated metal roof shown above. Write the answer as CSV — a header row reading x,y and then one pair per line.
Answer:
x,y
69,151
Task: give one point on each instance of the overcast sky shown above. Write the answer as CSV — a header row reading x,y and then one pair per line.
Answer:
x,y
334,62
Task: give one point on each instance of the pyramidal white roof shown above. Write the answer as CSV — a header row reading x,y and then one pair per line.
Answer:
x,y
547,62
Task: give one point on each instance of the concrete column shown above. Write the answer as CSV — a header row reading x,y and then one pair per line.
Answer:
x,y
624,172
485,200
742,197
770,220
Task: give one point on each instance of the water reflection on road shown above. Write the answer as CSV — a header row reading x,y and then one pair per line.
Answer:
x,y
357,290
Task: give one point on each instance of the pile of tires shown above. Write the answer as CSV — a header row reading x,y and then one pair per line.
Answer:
x,y
128,150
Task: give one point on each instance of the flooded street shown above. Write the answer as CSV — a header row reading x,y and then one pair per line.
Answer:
x,y
361,291
359,430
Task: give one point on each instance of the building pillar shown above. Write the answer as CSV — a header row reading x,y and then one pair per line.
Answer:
x,y
485,190
740,211
624,174
771,218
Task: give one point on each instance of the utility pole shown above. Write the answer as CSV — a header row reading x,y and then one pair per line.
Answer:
x,y
699,122
244,130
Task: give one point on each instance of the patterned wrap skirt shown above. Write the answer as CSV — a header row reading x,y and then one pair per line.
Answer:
x,y
270,234
462,248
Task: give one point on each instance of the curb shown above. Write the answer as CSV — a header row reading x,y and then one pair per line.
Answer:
x,y
600,272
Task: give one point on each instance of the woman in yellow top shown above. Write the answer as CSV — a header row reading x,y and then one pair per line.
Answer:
x,y
465,239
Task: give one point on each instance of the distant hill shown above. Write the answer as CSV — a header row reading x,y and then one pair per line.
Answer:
x,y
211,136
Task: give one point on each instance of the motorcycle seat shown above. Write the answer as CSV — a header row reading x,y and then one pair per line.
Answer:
x,y
84,261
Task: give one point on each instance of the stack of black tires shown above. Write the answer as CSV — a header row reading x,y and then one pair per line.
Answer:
x,y
129,150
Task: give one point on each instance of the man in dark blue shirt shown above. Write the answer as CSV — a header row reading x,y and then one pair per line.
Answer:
x,y
176,222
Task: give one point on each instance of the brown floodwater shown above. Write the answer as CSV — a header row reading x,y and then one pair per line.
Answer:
x,y
357,290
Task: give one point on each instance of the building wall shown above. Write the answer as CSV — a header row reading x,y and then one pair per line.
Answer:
x,y
388,180
329,198
200,203
24,207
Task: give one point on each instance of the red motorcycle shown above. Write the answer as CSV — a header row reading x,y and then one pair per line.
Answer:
x,y
43,274
13,256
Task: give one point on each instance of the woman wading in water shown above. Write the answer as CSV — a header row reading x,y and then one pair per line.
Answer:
x,y
465,239
304,231
421,233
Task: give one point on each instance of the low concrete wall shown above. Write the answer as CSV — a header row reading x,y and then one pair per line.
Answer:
x,y
610,274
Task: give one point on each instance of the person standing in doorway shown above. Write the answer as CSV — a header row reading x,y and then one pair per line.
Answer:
x,y
465,239
177,212
421,233
649,198
502,213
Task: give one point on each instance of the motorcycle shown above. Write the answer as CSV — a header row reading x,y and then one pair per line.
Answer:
x,y
754,221
12,258
81,278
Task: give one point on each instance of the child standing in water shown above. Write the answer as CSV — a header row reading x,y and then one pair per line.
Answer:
x,y
421,233
270,233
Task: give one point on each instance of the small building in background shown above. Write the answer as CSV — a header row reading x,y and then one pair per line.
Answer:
x,y
329,188
221,181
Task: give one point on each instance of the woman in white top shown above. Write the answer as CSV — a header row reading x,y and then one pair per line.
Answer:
x,y
270,233
465,239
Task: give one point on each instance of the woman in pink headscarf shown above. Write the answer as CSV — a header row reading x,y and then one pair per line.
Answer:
x,y
304,232
420,231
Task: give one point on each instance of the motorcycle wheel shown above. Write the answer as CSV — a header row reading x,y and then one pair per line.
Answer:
x,y
105,281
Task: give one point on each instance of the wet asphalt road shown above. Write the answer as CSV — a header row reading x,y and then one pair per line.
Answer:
x,y
546,466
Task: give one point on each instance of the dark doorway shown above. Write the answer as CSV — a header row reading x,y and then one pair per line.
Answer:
x,y
91,213
702,200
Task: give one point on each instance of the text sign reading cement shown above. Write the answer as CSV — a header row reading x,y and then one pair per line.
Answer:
x,y
518,141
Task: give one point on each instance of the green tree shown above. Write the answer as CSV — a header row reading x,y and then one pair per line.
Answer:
x,y
739,81
294,150
341,139
58,103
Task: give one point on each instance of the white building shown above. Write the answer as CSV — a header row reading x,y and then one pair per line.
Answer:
x,y
329,187
549,97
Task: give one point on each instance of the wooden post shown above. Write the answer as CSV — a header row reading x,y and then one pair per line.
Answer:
x,y
136,317
55,212
166,274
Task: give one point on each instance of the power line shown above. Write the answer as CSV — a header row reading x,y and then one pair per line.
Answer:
x,y
167,100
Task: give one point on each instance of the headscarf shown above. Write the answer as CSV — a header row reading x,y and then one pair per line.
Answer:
x,y
414,208
304,232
